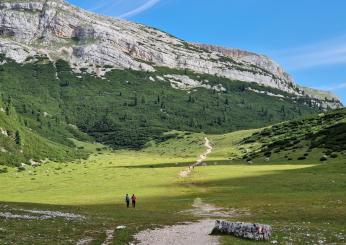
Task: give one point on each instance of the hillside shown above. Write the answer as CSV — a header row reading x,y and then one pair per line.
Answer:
x,y
20,145
316,138
97,44
127,108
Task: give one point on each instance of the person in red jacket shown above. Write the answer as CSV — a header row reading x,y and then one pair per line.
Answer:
x,y
134,199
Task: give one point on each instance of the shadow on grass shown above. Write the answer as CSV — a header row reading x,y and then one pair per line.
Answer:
x,y
182,164
282,196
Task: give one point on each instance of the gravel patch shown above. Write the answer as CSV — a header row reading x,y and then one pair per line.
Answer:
x,y
202,209
85,241
8,215
28,214
55,214
182,234
109,237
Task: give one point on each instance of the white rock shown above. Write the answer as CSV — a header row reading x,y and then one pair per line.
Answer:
x,y
3,132
121,227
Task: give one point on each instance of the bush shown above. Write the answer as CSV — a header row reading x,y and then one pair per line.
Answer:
x,y
334,155
3,170
21,169
301,158
267,153
323,159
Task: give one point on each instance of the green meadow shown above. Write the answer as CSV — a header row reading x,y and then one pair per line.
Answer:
x,y
304,201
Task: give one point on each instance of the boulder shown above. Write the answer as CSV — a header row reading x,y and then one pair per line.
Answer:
x,y
258,232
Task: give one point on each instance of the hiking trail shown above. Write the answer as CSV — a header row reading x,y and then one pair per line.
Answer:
x,y
189,233
203,157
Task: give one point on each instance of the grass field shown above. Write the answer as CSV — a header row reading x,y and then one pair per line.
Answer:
x,y
304,201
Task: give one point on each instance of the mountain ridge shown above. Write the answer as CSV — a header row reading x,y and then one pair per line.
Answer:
x,y
98,44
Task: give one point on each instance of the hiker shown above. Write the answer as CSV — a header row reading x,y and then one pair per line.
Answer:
x,y
127,200
133,198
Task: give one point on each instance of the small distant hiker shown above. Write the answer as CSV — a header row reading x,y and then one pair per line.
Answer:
x,y
127,200
133,198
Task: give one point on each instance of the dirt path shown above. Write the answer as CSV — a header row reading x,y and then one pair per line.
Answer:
x,y
203,157
182,234
196,233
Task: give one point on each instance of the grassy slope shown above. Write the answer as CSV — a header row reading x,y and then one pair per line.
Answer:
x,y
317,138
29,145
303,200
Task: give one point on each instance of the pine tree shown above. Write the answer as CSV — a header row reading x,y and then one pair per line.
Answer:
x,y
135,102
158,99
18,139
24,109
8,110
190,98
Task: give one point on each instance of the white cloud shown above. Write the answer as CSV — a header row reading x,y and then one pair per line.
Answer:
x,y
334,87
121,8
330,52
145,6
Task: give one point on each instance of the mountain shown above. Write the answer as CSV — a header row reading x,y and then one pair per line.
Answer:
x,y
97,44
72,74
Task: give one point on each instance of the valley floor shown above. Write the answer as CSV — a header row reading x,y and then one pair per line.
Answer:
x,y
304,201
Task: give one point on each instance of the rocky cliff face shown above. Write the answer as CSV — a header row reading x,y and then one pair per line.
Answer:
x,y
92,42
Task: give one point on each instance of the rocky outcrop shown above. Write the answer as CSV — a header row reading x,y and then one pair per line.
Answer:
x,y
258,232
58,30
253,59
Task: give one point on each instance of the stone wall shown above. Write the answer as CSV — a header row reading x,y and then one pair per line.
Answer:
x,y
258,232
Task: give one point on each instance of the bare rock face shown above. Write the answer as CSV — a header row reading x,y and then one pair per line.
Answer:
x,y
59,30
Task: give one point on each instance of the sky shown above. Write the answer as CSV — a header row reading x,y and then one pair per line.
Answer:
x,y
306,37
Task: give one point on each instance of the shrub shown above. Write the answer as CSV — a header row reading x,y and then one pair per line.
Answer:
x,y
21,169
333,155
323,159
301,158
3,170
267,153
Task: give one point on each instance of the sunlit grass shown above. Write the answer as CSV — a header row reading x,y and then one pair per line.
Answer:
x,y
281,194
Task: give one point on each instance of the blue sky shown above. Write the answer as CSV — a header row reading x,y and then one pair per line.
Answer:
x,y
306,37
